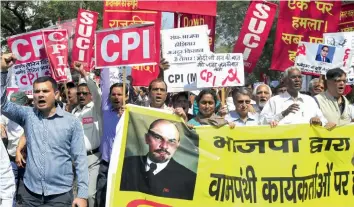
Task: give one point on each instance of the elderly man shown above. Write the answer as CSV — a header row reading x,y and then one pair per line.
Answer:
x,y
316,87
292,107
157,173
241,116
334,106
55,141
261,94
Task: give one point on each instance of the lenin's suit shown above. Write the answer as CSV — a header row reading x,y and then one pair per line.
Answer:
x,y
174,181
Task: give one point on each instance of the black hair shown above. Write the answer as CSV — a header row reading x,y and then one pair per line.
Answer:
x,y
205,92
118,85
176,96
82,85
334,73
324,47
157,80
45,79
70,85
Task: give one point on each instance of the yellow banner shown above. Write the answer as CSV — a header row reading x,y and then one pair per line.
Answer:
x,y
293,165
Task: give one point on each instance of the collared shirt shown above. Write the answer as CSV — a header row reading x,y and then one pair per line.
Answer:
x,y
52,144
252,119
277,104
91,117
14,132
159,166
110,118
7,178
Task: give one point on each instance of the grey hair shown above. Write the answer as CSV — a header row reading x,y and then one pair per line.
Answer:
x,y
313,81
242,91
286,72
256,88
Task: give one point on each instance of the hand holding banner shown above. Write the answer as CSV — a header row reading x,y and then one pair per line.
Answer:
x,y
126,46
84,38
56,46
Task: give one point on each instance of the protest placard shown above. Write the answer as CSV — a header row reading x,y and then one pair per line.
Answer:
x,y
84,38
220,70
304,166
316,59
346,23
181,77
116,74
182,45
31,58
125,46
56,47
342,39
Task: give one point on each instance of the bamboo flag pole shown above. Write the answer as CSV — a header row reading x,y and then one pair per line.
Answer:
x,y
223,96
124,84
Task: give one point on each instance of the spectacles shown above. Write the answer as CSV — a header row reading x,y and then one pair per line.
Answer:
x,y
160,139
83,93
243,101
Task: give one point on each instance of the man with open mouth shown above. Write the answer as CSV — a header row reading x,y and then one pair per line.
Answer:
x,y
261,94
334,106
90,113
292,107
55,141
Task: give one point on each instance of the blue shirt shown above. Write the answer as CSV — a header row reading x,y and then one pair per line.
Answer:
x,y
110,118
252,119
52,144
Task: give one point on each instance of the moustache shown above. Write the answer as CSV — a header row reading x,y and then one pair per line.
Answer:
x,y
162,150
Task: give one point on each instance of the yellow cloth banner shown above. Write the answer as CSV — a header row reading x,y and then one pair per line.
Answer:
x,y
293,165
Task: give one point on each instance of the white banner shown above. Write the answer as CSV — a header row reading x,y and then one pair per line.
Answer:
x,y
220,70
342,39
181,77
116,75
182,45
317,59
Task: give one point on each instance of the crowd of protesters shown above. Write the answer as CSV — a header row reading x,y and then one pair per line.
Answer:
x,y
67,132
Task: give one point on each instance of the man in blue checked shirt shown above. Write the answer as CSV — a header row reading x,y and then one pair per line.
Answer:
x,y
54,138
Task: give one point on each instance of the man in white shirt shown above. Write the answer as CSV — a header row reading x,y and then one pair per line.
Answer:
x,y
90,113
241,116
292,107
13,133
7,179
261,94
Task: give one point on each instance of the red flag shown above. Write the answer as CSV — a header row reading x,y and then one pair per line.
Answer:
x,y
84,38
120,14
189,7
254,33
302,21
123,47
190,20
347,18
56,47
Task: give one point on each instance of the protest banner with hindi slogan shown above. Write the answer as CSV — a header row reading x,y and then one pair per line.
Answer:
x,y
347,18
182,45
124,13
342,39
181,77
189,7
302,21
316,59
56,47
291,165
220,70
190,20
84,38
125,46
254,32
31,62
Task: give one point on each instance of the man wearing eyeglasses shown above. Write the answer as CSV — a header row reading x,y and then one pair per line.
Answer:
x,y
157,173
334,106
90,113
323,56
241,116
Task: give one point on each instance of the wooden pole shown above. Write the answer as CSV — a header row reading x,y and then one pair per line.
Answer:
x,y
124,83
223,96
66,92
